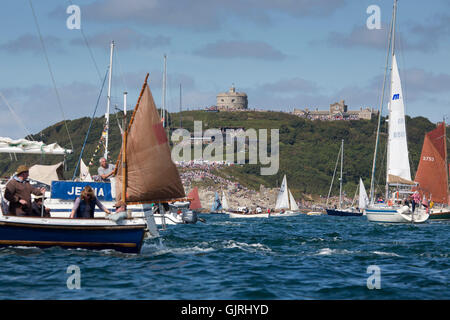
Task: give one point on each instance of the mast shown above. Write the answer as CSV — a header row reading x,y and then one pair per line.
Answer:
x,y
340,180
163,111
372,180
394,17
108,100
180,109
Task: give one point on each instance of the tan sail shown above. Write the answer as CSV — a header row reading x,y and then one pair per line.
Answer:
x,y
432,174
150,174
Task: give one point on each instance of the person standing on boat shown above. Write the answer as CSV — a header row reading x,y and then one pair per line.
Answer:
x,y
84,206
18,192
415,200
105,170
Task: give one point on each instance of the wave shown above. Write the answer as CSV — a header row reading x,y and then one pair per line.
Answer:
x,y
328,252
390,254
249,247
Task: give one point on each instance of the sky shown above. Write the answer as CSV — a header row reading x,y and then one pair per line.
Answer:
x,y
283,54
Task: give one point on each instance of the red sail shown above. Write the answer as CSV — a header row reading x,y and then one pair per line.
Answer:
x,y
195,203
432,173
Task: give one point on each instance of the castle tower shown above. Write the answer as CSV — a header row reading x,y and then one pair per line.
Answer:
x,y
232,100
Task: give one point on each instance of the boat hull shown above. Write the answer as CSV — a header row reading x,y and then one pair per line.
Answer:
x,y
62,209
443,215
96,234
392,215
341,213
262,215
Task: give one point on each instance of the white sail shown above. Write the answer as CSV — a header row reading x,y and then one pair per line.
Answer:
x,y
363,198
293,203
283,197
84,172
398,160
8,145
224,201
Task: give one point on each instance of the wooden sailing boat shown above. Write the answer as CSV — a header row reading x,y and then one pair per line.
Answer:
x,y
147,173
432,173
398,173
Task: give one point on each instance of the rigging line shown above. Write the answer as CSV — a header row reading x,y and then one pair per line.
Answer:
x,y
89,49
90,125
51,72
16,117
334,174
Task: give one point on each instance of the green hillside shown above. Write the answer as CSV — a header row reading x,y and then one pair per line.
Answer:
x,y
308,149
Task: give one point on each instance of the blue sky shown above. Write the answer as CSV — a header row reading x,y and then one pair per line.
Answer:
x,y
284,54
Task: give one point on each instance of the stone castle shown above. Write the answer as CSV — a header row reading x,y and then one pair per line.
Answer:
x,y
232,100
338,111
235,101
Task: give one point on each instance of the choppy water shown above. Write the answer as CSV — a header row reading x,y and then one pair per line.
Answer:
x,y
302,257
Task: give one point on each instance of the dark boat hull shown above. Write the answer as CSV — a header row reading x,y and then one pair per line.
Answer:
x,y
440,216
333,212
123,238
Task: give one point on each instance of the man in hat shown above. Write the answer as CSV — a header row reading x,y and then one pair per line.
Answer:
x,y
18,192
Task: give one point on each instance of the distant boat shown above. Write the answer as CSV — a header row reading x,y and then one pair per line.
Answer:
x,y
284,207
217,205
363,202
432,173
286,203
398,175
339,211
225,205
195,202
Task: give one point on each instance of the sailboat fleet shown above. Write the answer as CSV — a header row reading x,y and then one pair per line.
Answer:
x,y
161,199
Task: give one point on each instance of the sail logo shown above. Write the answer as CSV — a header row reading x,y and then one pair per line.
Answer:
x,y
425,158
396,97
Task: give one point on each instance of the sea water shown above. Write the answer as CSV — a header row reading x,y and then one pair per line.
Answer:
x,y
300,257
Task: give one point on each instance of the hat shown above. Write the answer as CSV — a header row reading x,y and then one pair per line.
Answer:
x,y
21,169
120,204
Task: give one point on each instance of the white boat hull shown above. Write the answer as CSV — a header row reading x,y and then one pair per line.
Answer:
x,y
62,209
395,215
262,215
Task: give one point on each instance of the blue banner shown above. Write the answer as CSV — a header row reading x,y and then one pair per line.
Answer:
x,y
70,190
